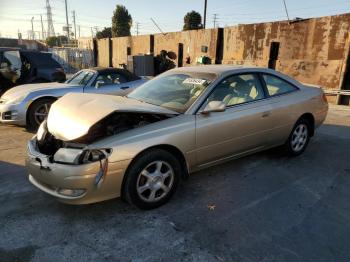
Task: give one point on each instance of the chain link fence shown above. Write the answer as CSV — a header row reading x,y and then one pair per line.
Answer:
x,y
73,59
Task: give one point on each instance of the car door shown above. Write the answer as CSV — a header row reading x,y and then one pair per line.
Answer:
x,y
282,97
110,83
243,127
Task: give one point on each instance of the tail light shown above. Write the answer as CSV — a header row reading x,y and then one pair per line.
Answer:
x,y
324,98
61,70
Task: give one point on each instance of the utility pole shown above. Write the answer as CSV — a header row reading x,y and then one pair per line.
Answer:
x,y
92,33
67,24
137,28
75,26
32,28
205,14
285,7
79,30
215,19
42,27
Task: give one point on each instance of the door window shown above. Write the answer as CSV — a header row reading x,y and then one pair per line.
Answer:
x,y
238,89
110,79
277,86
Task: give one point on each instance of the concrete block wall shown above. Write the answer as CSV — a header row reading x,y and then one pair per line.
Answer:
x,y
136,44
104,51
192,41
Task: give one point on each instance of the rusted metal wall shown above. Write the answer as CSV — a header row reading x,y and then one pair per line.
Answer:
x,y
312,51
192,41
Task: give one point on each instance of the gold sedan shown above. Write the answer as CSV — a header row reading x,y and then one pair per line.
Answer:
x,y
97,147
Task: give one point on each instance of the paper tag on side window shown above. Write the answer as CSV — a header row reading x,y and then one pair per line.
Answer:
x,y
194,81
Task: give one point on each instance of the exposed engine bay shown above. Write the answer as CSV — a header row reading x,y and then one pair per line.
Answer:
x,y
111,125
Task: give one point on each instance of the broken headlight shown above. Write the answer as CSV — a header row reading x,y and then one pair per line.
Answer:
x,y
93,155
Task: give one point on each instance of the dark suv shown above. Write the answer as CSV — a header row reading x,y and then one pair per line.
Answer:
x,y
18,67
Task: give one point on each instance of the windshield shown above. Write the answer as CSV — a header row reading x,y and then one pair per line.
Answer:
x,y
176,91
81,78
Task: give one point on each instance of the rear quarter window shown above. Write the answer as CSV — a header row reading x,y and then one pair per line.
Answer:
x,y
277,86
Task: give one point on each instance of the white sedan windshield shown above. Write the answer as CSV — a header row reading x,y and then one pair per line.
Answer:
x,y
81,78
176,91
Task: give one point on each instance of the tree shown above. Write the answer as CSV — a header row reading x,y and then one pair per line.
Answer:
x,y
105,33
56,40
192,20
121,21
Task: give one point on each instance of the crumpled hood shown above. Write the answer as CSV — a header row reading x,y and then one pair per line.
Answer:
x,y
23,90
72,116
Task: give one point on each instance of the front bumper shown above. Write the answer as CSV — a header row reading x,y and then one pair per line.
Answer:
x,y
52,178
13,114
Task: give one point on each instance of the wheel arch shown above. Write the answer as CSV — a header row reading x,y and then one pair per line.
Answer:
x,y
311,119
169,148
36,100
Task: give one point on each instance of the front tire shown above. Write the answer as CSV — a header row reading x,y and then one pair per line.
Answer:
x,y
299,138
38,112
152,179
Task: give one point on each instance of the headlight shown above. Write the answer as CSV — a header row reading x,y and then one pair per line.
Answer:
x,y
94,155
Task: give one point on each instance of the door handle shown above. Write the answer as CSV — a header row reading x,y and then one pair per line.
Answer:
x,y
265,114
125,87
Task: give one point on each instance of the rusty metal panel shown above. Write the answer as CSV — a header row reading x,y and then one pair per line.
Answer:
x,y
311,50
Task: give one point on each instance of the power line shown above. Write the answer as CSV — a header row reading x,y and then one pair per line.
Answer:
x,y
154,22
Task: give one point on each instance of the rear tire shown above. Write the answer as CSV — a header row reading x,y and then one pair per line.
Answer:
x,y
38,112
299,138
152,179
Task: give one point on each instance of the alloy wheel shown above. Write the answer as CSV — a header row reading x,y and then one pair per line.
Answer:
x,y
155,181
41,113
299,137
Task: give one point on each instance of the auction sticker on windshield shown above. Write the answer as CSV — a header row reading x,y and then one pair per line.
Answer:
x,y
195,81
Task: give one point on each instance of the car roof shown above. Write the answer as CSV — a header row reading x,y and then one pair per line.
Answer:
x,y
103,70
221,69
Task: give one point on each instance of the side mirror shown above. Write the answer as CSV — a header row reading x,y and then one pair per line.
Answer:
x,y
100,83
214,106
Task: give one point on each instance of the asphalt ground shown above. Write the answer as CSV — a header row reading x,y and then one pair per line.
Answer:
x,y
265,207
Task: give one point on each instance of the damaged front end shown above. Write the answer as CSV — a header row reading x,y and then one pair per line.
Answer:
x,y
62,159
74,171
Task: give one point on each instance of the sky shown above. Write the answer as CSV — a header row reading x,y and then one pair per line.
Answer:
x,y
15,15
